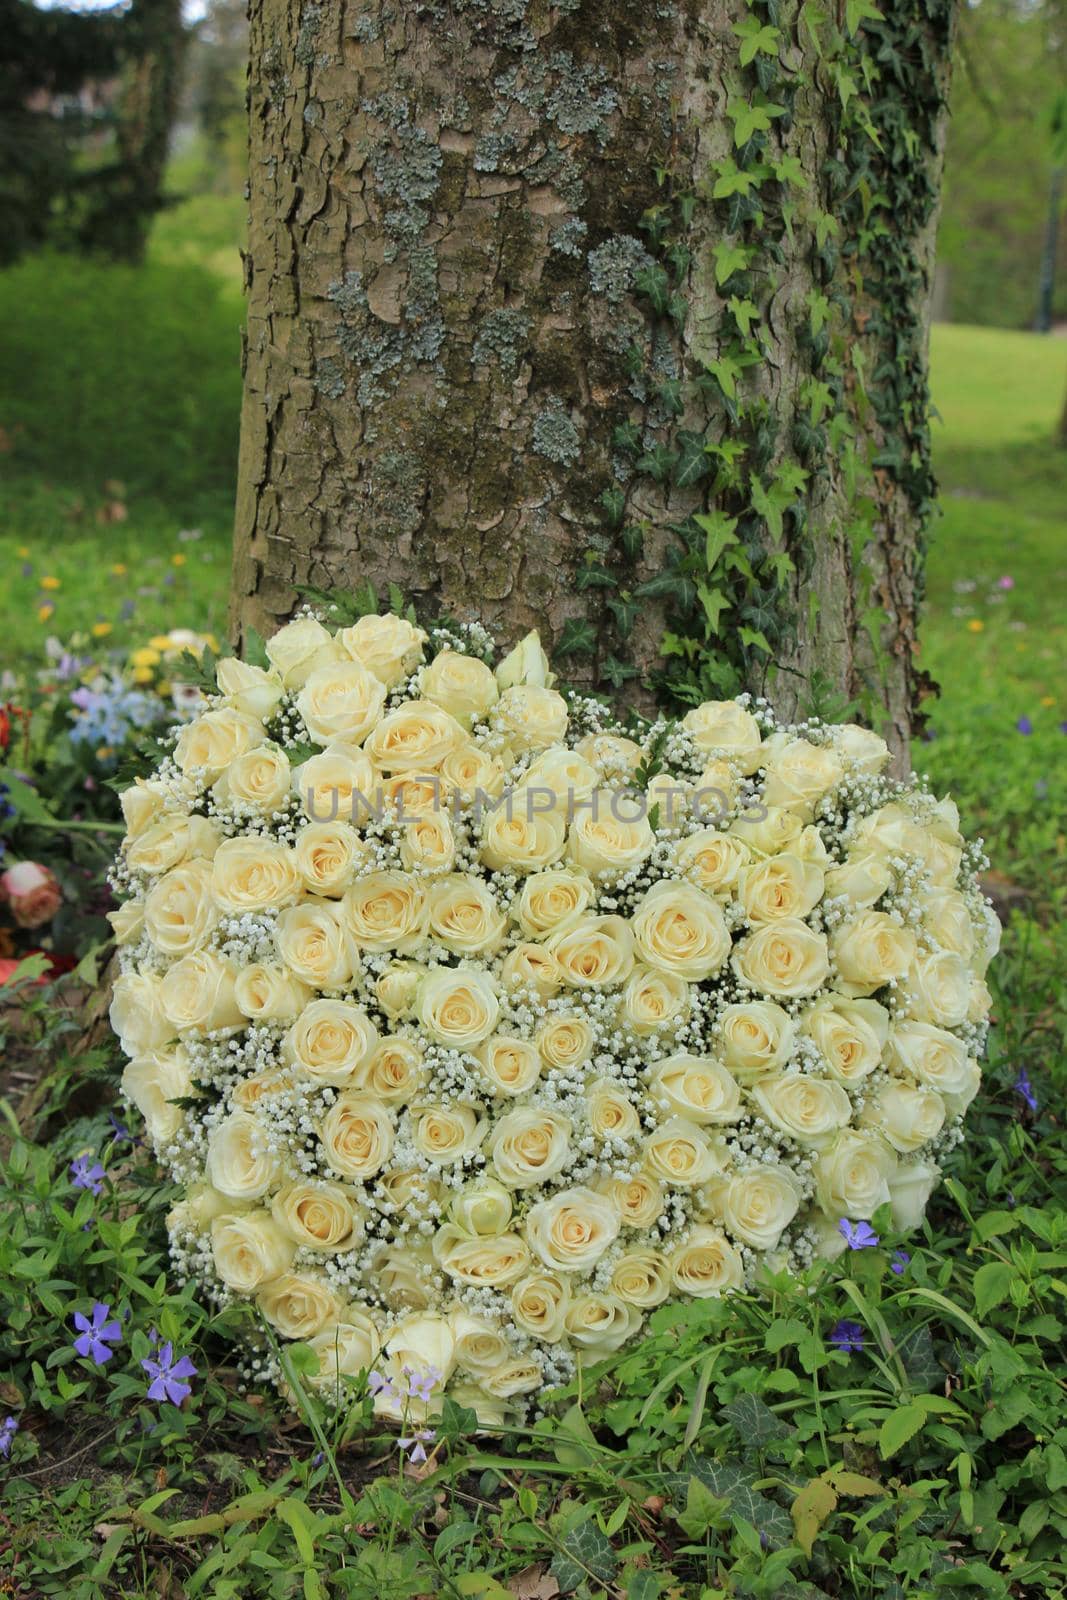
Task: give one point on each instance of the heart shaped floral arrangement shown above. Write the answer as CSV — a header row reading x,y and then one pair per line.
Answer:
x,y
474,1024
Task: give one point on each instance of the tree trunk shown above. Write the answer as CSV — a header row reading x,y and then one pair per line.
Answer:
x,y
604,317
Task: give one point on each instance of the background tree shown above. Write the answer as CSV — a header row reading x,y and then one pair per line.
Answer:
x,y
605,317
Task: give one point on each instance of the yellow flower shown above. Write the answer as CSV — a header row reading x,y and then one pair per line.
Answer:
x,y
44,612
142,675
160,641
22,550
145,657
177,561
1048,700
104,753
119,569
101,630
50,583
976,625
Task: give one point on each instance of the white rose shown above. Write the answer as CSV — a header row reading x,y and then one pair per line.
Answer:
x,y
571,1230
397,988
389,646
461,684
269,994
357,1135
208,744
612,1114
239,1163
341,702
870,951
852,1176
539,1304
594,952
641,1278
861,880
910,1187
756,1037
679,1153
638,1199
516,838
512,1065
531,968
472,773
653,1001
600,1323
137,1013
551,900
327,856
807,1109
174,838
781,886
317,1216
713,860
706,1264
768,829
248,689
330,1041
723,728
614,757
566,775
933,1055
529,1146
298,1305
296,650
758,1204
481,1348
180,910
249,1251
784,958
344,1349
429,844
608,836
127,921
863,750
340,785
565,1041
850,1033
680,930
142,803
415,738
250,873
198,992
395,1070
387,910
448,1133
525,663
799,774
260,781
939,989
531,717
152,1082
483,1209
458,1007
907,1116
483,1263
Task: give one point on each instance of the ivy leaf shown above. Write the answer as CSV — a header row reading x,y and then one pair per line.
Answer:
x,y
626,611
857,11
703,1511
755,39
714,603
754,1420
617,672
578,638
632,539
745,313
614,502
726,370
752,639
655,285
729,258
787,169
591,575
729,1481
718,530
734,180
692,463
584,1550
752,116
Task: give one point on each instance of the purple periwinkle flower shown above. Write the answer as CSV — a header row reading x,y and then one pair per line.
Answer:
x,y
84,1176
899,1262
378,1384
1025,1089
1024,725
416,1445
121,1131
8,1429
168,1375
1006,582
96,1334
847,1336
422,1384
857,1235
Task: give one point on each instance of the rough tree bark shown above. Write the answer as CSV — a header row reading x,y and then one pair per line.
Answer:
x,y
447,329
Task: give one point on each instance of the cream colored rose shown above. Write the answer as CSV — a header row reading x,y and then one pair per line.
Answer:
x,y
571,1230
609,835
910,1186
458,1007
530,967
248,689
641,1278
681,931
248,1093
637,1199
697,1088
768,829
850,1033
470,772
564,774
269,994
758,1204
612,1114
389,646
296,650
680,1153
207,745
344,1349
340,785
314,943
512,1065
784,958
415,738
317,1216
396,989
152,1082
600,1323
142,803
615,758
809,1110
250,873
756,1037
127,921
539,1304
860,879
250,1251
529,1146
407,797
446,1133
480,1347
239,1163
706,1264
489,1263
594,952
429,844
862,750
516,838
174,838
341,702
551,900
670,802
653,1000
712,860
987,936
799,774
519,1375
357,1134
465,917
907,1115
330,1041
137,1013
327,856
870,951
936,1057
781,886
723,728
939,989
809,846
404,1277
198,992
525,663
298,1305
395,1070
852,1176
483,1209
895,831
180,910
715,792
261,781
387,910
464,686
565,1041
531,717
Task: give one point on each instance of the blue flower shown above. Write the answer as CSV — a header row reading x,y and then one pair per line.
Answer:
x,y
899,1262
847,1336
96,1334
857,1235
84,1176
167,1375
1025,1088
1024,725
8,1429
416,1445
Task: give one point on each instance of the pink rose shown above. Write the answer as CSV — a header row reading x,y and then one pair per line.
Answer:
x,y
33,892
